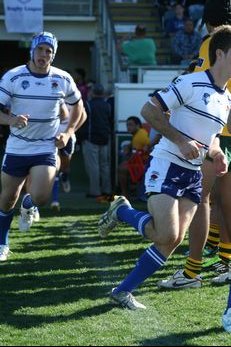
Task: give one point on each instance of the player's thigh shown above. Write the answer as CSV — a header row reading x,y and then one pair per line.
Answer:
x,y
223,190
42,179
11,188
209,177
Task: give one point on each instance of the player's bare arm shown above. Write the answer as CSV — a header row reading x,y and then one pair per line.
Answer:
x,y
19,121
219,159
77,118
154,114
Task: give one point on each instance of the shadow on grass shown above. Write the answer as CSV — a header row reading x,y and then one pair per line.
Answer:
x,y
179,339
63,263
24,321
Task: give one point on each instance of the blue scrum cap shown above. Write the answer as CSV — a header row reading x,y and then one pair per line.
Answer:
x,y
44,38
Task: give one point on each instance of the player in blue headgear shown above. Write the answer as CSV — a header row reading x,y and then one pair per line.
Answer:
x,y
34,92
44,38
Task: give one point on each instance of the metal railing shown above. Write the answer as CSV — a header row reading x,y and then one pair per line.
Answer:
x,y
110,44
63,8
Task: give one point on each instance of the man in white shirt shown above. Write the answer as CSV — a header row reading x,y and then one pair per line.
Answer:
x,y
199,106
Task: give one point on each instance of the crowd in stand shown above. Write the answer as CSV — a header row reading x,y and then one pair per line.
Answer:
x,y
181,24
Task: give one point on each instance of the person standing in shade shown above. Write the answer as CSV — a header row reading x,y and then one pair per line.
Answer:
x,y
95,135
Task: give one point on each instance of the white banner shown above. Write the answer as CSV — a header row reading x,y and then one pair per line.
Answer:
x,y
23,16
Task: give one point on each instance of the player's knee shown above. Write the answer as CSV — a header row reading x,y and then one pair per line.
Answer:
x,y
39,199
172,239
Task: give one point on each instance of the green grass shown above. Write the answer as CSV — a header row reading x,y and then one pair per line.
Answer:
x,y
54,288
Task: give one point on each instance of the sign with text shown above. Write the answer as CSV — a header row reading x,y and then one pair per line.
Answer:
x,y
23,16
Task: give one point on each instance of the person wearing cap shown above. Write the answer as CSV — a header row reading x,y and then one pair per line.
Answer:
x,y
34,92
216,13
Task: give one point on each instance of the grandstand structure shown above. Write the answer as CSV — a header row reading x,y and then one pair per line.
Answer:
x,y
89,32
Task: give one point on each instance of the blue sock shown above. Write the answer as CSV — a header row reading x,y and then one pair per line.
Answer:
x,y
229,300
5,222
55,190
135,218
149,262
27,201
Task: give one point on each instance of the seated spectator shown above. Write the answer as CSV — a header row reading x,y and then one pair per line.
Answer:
x,y
139,50
195,9
165,9
140,142
176,22
185,44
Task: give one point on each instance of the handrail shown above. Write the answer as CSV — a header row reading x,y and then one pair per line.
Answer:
x,y
118,73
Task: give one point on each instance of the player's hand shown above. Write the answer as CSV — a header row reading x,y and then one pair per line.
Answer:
x,y
190,149
19,121
220,164
61,140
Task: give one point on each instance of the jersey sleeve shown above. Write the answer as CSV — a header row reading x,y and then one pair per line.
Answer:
x,y
73,94
6,86
176,94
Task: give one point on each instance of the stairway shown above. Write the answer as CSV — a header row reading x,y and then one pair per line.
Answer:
x,y
126,16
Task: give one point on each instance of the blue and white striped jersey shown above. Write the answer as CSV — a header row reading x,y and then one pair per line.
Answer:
x,y
39,96
199,109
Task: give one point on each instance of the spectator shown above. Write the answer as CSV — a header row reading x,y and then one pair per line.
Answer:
x,y
185,44
81,83
195,9
176,22
165,9
96,134
140,142
139,50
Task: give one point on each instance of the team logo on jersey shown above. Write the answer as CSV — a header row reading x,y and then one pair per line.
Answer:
x,y
39,84
25,84
54,85
154,175
206,98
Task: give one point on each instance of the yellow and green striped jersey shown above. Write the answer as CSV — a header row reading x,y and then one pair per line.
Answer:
x,y
204,64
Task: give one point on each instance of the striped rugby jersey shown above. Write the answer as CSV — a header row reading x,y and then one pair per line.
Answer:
x,y
199,110
39,96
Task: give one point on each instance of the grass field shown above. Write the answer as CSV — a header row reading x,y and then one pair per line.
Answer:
x,y
54,288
